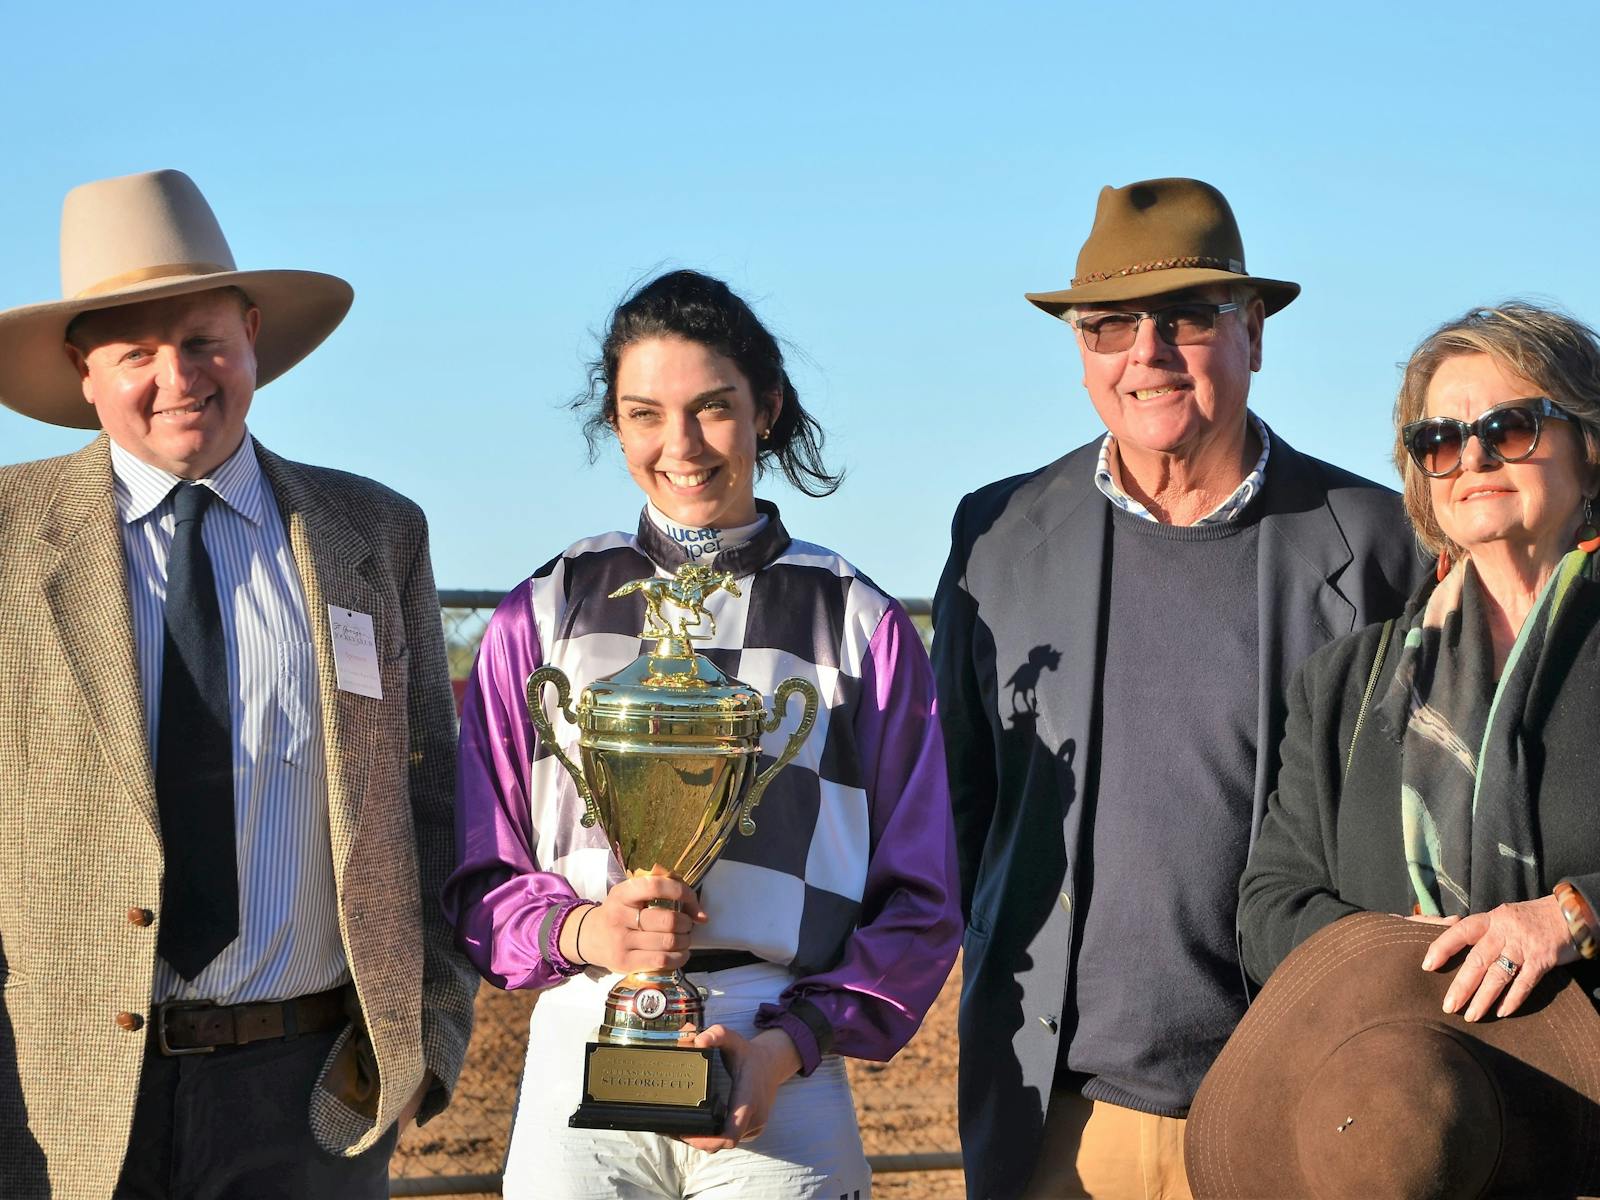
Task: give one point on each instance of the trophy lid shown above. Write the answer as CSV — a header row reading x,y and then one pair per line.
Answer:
x,y
670,682
671,687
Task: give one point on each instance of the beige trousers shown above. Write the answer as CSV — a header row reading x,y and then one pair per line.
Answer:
x,y
1099,1150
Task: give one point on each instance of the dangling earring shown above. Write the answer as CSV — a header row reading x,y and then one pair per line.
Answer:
x,y
1588,535
1442,567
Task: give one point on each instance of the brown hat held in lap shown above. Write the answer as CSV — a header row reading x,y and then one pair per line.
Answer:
x,y
1346,1079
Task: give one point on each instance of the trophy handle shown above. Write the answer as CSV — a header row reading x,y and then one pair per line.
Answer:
x,y
780,703
536,682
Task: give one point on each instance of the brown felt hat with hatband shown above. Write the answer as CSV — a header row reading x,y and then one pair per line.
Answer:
x,y
149,237
1346,1080
1158,236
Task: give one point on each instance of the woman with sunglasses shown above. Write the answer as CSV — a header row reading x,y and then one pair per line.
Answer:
x,y
1443,766
829,931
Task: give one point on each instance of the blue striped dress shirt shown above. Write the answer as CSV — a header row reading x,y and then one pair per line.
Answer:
x,y
288,943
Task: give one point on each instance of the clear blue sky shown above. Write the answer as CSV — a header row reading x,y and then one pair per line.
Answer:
x,y
883,181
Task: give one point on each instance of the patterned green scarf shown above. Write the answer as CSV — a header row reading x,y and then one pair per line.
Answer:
x,y
1466,803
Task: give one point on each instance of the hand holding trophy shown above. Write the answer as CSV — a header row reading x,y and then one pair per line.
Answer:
x,y
668,746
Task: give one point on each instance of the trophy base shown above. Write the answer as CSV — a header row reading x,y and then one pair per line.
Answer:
x,y
678,1090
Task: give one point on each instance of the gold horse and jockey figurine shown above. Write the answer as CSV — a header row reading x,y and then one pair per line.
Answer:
x,y
687,590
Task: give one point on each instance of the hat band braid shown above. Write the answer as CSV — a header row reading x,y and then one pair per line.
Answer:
x,y
145,274
1231,265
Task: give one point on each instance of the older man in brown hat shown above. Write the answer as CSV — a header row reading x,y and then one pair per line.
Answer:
x,y
226,747
1114,634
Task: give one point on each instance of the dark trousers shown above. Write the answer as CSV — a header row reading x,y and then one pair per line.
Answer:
x,y
234,1125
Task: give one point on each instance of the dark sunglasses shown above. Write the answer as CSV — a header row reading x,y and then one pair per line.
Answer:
x,y
1186,324
1508,433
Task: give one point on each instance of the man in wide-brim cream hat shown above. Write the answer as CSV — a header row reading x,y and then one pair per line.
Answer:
x,y
227,758
141,238
1176,570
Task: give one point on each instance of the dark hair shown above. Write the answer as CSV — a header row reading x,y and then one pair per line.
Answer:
x,y
698,308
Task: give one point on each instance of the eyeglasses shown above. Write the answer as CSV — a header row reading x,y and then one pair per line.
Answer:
x,y
1187,324
1509,433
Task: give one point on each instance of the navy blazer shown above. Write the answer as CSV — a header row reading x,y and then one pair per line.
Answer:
x,y
1018,629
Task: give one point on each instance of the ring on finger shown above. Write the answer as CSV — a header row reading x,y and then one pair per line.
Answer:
x,y
1506,965
638,921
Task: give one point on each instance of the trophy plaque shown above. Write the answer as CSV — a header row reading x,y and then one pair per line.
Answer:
x,y
668,747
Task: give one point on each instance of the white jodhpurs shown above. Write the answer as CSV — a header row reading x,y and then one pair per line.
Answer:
x,y
809,1150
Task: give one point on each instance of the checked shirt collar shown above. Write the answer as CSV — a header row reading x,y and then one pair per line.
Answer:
x,y
1226,512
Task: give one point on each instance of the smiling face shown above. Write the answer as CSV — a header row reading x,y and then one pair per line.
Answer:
x,y
1530,507
689,427
1176,399
171,380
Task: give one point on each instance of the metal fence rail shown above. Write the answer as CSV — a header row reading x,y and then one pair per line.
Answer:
x,y
906,1108
489,1185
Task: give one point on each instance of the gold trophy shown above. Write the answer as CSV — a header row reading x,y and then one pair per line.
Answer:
x,y
669,746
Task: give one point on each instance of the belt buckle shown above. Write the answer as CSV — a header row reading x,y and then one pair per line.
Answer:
x,y
165,1009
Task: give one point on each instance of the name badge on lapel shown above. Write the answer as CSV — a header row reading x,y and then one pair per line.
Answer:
x,y
355,652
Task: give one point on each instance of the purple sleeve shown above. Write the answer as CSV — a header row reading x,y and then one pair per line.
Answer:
x,y
910,928
507,913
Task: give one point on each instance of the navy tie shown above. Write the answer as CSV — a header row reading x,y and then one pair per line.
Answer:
x,y
194,754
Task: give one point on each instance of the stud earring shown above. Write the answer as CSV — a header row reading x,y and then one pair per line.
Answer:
x,y
1588,535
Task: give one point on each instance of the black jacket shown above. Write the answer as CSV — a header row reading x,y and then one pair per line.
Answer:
x,y
1332,842
1017,634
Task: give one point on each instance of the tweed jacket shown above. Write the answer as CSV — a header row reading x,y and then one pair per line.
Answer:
x,y
1024,584
80,839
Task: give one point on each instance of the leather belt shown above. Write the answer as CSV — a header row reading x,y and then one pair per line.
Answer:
x,y
200,1026
720,960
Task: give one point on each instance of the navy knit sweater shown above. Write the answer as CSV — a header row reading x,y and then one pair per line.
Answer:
x,y
1156,981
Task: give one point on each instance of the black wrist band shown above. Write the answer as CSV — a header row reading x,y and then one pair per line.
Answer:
x,y
577,934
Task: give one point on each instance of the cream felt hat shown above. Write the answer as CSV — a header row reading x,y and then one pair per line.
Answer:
x,y
146,237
